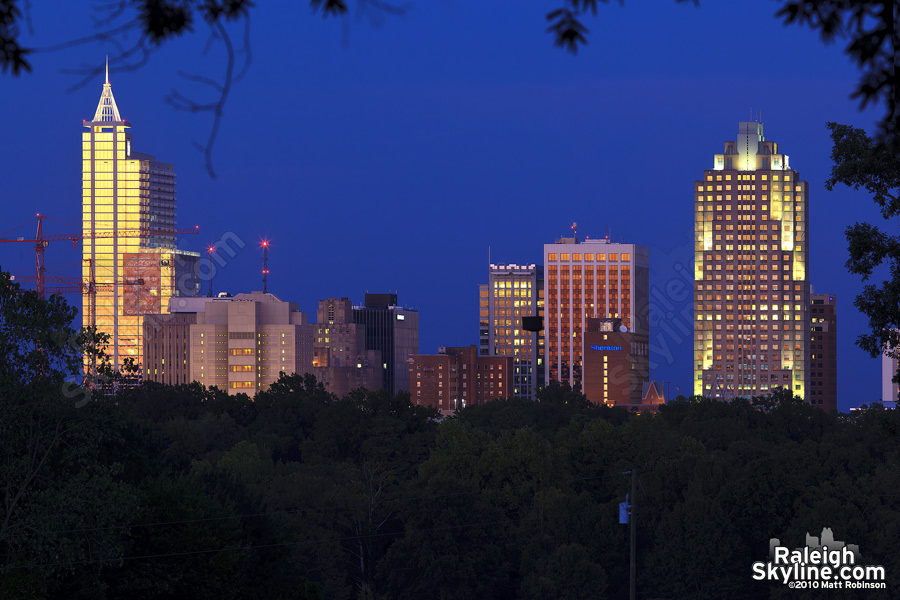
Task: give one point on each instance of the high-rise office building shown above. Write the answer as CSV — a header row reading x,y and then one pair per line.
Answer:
x,y
823,369
751,288
594,278
393,331
128,205
513,293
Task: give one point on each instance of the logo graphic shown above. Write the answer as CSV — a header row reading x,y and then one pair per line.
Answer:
x,y
821,564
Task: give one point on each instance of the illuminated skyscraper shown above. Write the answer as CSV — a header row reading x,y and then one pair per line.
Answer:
x,y
751,290
584,280
127,198
513,293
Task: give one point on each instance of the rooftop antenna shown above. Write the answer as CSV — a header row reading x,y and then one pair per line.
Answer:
x,y
265,269
211,250
575,231
107,69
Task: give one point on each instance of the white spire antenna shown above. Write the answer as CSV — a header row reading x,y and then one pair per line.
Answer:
x,y
107,111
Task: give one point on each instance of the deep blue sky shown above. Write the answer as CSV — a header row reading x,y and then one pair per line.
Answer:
x,y
395,157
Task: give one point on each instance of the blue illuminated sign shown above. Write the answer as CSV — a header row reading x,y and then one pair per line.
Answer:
x,y
606,348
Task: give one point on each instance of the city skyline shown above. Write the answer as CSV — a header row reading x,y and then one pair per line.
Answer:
x,y
383,138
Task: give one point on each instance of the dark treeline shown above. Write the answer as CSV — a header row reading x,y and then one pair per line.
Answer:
x,y
184,492
187,492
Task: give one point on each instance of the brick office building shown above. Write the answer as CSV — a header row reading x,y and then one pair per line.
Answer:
x,y
458,377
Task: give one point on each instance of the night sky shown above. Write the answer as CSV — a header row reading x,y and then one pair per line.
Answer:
x,y
397,157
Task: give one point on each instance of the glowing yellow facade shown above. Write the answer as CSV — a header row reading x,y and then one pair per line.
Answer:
x,y
751,290
134,270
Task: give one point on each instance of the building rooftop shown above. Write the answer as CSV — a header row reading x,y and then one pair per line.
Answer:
x,y
107,111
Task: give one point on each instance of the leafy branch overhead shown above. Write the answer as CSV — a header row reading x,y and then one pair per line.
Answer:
x,y
872,30
869,26
861,162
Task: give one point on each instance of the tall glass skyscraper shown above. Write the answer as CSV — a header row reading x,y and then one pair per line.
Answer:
x,y
128,212
751,287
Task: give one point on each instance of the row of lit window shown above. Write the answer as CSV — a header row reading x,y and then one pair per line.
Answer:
x,y
718,227
750,187
511,313
730,276
708,207
749,317
747,307
512,293
798,287
565,292
749,267
577,268
587,289
761,176
588,257
764,337
700,327
730,297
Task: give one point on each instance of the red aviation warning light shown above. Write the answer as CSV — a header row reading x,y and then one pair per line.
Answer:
x,y
265,266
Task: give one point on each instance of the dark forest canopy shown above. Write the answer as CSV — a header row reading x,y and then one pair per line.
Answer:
x,y
188,492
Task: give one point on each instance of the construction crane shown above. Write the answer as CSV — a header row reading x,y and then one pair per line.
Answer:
x,y
75,285
41,241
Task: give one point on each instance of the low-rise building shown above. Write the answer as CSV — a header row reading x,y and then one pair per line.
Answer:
x,y
458,377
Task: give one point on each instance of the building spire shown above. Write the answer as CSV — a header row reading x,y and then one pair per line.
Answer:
x,y
107,111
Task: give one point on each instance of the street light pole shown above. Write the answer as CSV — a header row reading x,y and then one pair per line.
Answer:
x,y
633,530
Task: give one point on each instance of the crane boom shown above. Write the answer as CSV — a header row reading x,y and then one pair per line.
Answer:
x,y
41,241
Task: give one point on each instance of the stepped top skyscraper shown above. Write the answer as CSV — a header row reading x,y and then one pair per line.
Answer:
x,y
128,214
751,265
